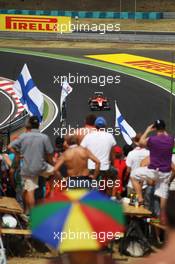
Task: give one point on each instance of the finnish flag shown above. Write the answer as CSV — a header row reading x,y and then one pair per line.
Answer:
x,y
127,131
29,95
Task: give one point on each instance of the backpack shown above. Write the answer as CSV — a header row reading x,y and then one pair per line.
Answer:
x,y
134,243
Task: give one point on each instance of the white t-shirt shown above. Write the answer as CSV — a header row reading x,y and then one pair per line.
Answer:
x,y
100,144
134,159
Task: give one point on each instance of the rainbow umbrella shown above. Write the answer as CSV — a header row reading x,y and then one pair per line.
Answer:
x,y
77,220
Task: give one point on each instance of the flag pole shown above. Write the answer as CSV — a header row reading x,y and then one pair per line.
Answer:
x,y
115,109
63,115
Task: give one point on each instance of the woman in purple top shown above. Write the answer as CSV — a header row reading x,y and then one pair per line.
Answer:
x,y
159,169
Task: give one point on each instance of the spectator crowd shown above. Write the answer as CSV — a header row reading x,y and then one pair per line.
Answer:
x,y
32,169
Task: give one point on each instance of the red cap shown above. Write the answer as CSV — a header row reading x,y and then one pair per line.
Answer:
x,y
118,149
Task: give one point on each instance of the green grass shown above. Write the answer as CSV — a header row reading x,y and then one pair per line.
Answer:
x,y
131,24
46,110
163,82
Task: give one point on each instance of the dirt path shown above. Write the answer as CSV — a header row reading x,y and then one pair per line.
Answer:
x,y
5,43
131,24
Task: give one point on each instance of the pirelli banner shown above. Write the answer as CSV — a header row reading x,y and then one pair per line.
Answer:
x,y
29,23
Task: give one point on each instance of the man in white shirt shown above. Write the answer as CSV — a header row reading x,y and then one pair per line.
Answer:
x,y
101,144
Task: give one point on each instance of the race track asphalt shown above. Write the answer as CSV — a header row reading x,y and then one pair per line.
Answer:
x,y
140,102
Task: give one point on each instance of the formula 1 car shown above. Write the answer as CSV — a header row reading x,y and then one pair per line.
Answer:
x,y
98,102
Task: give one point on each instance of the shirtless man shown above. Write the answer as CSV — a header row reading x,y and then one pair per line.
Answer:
x,y
76,159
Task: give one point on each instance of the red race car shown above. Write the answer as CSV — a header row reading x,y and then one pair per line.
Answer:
x,y
99,102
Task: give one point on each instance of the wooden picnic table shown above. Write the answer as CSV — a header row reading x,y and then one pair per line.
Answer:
x,y
9,205
136,211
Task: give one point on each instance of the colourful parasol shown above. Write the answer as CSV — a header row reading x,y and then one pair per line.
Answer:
x,y
77,220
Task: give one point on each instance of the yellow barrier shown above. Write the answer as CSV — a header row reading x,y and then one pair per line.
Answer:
x,y
27,23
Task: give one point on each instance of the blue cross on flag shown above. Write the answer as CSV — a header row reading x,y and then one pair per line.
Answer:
x,y
29,95
127,131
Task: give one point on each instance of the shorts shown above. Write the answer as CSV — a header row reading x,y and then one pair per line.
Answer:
x,y
161,179
31,183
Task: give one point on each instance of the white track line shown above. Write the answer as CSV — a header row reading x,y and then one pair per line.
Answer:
x,y
55,115
106,68
21,107
12,109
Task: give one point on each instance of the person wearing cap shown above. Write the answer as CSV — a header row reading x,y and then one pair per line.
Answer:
x,y
101,144
36,151
158,171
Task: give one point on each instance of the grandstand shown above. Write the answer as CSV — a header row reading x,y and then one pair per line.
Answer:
x,y
90,5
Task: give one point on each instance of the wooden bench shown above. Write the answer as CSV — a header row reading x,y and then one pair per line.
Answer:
x,y
158,225
12,231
